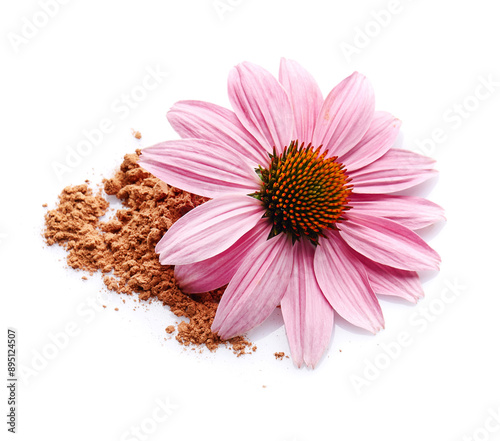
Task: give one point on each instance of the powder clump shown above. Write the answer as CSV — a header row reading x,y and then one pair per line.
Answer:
x,y
123,248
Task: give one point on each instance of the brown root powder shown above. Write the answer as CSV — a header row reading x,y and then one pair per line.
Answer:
x,y
123,248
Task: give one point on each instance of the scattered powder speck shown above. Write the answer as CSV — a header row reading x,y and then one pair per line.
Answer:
x,y
123,248
279,355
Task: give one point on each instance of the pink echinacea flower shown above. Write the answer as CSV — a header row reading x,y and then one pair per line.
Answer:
x,y
302,213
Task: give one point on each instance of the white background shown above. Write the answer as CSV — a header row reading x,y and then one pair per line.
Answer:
x,y
68,74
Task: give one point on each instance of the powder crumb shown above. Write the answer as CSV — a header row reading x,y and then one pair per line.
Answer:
x,y
279,355
136,134
44,205
84,278
239,346
170,329
104,306
116,309
123,247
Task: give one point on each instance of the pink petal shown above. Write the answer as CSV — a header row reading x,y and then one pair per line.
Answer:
x,y
256,288
388,242
392,281
396,170
379,138
262,105
219,270
200,167
305,97
344,282
307,314
199,119
209,229
411,212
345,116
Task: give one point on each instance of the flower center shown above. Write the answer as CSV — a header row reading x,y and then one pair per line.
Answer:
x,y
303,192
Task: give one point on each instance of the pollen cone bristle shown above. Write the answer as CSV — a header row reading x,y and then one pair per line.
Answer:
x,y
304,192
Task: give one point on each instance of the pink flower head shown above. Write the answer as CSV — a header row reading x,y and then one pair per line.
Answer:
x,y
301,213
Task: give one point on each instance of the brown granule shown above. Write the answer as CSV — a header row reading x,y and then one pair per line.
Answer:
x,y
170,329
123,248
44,205
279,355
136,134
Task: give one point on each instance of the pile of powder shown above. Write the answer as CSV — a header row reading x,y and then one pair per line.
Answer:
x,y
123,248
